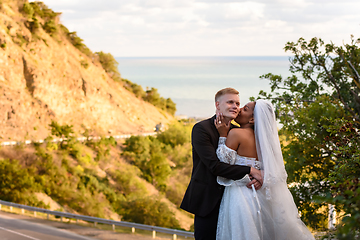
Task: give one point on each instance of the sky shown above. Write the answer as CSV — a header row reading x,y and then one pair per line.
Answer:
x,y
155,28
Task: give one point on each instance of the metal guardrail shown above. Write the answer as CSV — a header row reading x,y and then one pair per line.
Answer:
x,y
81,139
95,220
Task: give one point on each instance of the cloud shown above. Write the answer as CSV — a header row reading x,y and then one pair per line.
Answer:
x,y
204,27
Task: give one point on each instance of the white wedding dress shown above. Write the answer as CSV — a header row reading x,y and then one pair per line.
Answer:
x,y
269,213
241,213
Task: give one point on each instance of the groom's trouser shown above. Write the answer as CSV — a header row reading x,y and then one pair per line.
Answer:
x,y
205,227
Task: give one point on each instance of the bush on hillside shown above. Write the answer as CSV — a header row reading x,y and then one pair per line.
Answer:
x,y
62,175
77,42
134,88
170,106
127,181
28,10
176,134
33,25
50,27
41,10
146,153
102,147
149,211
17,183
152,96
110,65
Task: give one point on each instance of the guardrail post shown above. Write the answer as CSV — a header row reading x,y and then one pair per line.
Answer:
x,y
77,220
133,230
113,227
61,219
95,223
47,216
174,237
10,208
34,214
22,211
0,206
154,234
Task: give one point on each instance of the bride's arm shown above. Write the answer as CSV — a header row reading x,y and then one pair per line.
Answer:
x,y
230,140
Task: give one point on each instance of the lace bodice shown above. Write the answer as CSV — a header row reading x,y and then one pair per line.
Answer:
x,y
230,156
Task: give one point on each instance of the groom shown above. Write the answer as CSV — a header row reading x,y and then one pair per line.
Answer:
x,y
203,195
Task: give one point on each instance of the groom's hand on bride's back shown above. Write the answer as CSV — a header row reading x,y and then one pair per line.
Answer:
x,y
256,183
256,178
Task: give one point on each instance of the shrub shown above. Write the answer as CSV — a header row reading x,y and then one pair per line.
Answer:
x,y
146,153
17,183
33,25
127,181
50,27
84,64
41,10
78,43
176,134
149,211
102,147
152,96
28,10
63,131
134,88
170,106
109,64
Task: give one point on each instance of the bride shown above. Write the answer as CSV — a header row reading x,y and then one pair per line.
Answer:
x,y
269,213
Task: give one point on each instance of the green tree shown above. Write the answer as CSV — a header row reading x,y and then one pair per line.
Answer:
x,y
17,183
134,88
147,154
41,10
152,96
170,106
149,211
109,64
322,90
50,27
77,42
28,10
62,131
176,134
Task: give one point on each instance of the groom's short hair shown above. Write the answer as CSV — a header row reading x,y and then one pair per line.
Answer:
x,y
224,91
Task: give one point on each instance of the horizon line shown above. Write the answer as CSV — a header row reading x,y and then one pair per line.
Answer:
x,y
199,56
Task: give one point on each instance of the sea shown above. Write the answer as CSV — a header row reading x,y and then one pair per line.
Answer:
x,y
191,82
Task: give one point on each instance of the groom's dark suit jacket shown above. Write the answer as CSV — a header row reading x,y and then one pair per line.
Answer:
x,y
203,192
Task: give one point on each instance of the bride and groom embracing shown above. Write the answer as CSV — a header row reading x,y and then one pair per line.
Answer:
x,y
238,187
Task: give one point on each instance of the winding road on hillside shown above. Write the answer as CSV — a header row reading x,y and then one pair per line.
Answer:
x,y
21,227
81,139
18,229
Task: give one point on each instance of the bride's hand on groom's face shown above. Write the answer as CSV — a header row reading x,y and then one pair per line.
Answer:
x,y
222,127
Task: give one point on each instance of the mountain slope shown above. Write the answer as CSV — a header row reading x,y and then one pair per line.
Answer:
x,y
44,77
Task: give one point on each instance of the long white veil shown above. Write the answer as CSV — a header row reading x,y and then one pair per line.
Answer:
x,y
278,202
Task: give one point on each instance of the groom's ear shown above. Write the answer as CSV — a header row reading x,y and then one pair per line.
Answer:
x,y
217,105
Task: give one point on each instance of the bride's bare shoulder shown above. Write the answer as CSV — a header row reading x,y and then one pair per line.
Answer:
x,y
240,131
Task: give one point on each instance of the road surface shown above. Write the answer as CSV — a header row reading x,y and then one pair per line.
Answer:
x,y
12,228
20,227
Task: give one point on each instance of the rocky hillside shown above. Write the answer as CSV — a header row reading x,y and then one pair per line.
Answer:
x,y
45,76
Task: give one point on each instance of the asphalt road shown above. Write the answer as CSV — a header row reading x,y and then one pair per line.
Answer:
x,y
12,228
21,227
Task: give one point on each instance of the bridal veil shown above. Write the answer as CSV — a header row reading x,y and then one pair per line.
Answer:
x,y
286,222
